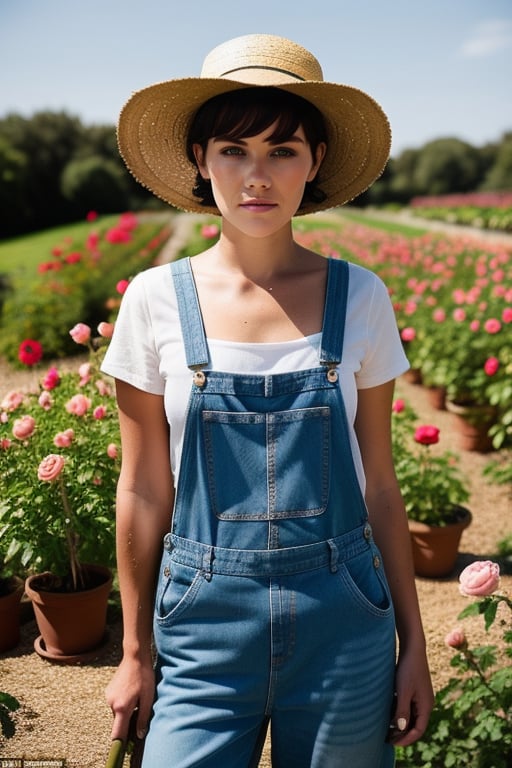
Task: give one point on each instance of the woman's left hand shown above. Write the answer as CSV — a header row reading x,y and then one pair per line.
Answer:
x,y
414,698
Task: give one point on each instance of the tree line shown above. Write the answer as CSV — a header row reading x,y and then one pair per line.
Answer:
x,y
54,169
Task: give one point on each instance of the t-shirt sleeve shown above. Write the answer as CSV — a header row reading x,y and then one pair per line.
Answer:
x,y
384,358
132,354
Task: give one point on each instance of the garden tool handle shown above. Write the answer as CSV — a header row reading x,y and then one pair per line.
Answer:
x,y
116,755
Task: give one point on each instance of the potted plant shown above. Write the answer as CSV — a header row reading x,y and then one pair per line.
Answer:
x,y
434,493
59,467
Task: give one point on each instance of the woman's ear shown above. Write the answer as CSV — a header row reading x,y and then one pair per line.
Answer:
x,y
317,160
200,156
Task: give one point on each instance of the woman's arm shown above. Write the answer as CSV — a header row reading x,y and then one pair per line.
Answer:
x,y
145,496
389,524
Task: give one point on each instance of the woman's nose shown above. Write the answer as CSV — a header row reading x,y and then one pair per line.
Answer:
x,y
257,175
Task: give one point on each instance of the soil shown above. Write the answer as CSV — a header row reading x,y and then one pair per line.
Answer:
x,y
63,712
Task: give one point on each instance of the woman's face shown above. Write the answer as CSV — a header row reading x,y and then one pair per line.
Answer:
x,y
257,184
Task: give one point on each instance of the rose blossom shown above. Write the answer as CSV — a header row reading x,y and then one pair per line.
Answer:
x,y
491,365
398,406
408,334
112,450
45,400
84,371
480,579
52,379
492,325
50,467
103,388
106,330
455,638
64,439
11,401
507,315
24,427
78,405
209,230
427,434
100,412
122,285
5,443
80,333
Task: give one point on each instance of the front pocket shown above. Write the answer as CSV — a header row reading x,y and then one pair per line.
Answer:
x,y
177,590
268,466
367,583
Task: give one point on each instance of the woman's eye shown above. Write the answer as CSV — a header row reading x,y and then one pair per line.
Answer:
x,y
282,152
232,151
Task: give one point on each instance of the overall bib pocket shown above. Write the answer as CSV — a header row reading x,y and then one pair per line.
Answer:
x,y
268,466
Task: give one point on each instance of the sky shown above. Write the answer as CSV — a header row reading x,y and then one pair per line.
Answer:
x,y
439,68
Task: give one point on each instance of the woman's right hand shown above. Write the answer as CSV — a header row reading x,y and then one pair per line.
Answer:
x,y
131,688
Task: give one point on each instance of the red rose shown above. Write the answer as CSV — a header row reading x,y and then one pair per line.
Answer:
x,y
427,434
30,352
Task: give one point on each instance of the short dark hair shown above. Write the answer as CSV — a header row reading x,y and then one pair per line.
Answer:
x,y
247,112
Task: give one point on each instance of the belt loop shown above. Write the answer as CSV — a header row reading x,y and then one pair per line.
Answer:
x,y
207,563
333,563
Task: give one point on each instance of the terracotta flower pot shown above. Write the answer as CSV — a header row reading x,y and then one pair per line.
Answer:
x,y
72,624
10,610
435,548
473,423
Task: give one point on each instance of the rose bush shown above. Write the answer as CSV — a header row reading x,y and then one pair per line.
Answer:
x,y
432,484
471,724
59,463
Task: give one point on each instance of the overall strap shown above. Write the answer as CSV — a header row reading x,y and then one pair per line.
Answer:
x,y
333,329
194,337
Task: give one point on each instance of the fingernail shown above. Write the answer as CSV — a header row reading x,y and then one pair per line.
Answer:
x,y
141,733
401,723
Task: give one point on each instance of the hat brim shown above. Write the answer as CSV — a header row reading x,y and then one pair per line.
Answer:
x,y
154,123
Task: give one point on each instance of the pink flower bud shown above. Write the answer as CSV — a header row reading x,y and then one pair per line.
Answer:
x,y
24,427
50,467
80,333
491,365
480,579
63,439
51,380
112,450
99,412
398,406
106,330
456,638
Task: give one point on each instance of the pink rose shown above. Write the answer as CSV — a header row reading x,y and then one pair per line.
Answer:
x,y
5,444
23,427
427,434
103,388
507,315
209,231
106,330
408,334
45,400
11,401
398,406
456,638
52,379
100,412
64,439
491,365
50,467
492,325
480,579
80,333
78,405
84,371
121,286
112,450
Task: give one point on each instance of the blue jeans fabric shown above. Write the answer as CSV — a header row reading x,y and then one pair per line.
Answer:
x,y
272,604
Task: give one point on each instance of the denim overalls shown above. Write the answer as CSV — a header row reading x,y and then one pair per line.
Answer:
x,y
271,600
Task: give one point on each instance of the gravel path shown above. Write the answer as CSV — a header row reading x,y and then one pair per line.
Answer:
x,y
63,713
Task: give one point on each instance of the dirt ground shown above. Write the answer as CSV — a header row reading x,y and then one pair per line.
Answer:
x,y
63,712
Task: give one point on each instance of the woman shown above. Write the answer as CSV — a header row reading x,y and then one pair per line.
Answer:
x,y
256,379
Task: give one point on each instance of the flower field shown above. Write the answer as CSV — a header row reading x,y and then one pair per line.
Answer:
x,y
453,302
486,210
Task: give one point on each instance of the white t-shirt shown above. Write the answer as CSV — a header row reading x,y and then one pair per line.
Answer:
x,y
147,349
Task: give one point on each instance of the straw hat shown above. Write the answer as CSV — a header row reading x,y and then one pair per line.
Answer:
x,y
154,123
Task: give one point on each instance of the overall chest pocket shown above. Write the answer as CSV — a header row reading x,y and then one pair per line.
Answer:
x,y
264,466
